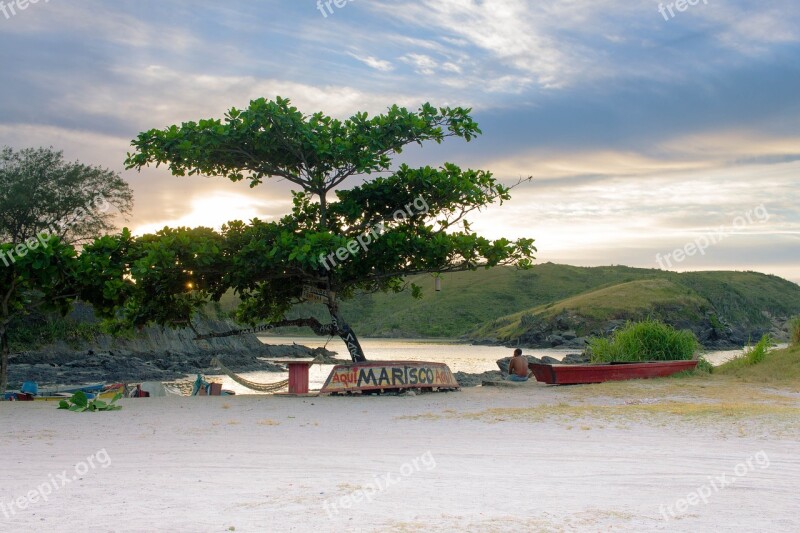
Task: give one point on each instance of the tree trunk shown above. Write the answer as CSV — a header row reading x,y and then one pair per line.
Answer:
x,y
346,334
5,349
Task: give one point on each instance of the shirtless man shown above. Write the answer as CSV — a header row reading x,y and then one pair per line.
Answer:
x,y
518,367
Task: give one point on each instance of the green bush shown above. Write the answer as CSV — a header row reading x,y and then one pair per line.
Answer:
x,y
794,331
703,366
755,354
751,356
80,403
650,340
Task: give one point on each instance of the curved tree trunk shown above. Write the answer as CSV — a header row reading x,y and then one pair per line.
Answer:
x,y
346,334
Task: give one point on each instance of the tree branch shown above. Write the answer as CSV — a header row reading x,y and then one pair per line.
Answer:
x,y
316,326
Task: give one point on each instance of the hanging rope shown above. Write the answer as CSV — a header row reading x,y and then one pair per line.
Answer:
x,y
252,385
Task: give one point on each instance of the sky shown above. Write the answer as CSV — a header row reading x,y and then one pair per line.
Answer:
x,y
646,128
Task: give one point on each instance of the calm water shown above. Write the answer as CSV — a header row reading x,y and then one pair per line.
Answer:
x,y
459,357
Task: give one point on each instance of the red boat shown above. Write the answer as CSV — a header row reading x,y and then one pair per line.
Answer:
x,y
598,373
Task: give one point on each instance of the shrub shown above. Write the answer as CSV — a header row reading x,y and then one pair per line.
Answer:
x,y
755,354
751,356
80,403
649,340
703,366
794,331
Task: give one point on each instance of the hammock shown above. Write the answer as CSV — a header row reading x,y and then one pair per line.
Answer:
x,y
252,385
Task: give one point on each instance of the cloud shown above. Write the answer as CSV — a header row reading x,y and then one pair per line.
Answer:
x,y
422,64
639,132
373,62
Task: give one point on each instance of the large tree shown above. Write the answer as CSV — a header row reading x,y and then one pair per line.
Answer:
x,y
335,241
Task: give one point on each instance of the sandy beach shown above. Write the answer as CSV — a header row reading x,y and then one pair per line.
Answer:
x,y
666,455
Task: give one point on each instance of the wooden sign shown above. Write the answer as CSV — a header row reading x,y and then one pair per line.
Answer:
x,y
377,375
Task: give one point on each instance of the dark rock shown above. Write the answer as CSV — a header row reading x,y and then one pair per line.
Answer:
x,y
473,380
576,359
550,360
555,340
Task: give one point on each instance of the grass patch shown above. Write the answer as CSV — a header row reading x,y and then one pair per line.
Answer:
x,y
777,367
661,412
649,340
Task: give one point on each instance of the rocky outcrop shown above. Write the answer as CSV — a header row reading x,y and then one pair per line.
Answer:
x,y
153,354
569,330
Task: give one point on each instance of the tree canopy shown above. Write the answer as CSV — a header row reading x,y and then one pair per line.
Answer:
x,y
40,191
369,237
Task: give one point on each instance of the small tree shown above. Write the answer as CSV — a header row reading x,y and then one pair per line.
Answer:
x,y
41,193
44,271
370,237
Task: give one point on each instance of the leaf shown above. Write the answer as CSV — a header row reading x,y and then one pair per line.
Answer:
x,y
63,404
80,399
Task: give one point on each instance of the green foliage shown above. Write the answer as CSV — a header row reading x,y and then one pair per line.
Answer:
x,y
703,366
39,191
756,354
79,403
650,340
26,333
42,276
794,331
274,139
266,264
752,355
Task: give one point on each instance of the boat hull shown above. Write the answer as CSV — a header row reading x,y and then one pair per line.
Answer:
x,y
389,375
599,373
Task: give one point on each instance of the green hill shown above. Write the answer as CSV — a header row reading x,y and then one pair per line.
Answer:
x,y
591,311
511,306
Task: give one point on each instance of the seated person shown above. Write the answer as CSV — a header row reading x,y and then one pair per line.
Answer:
x,y
518,367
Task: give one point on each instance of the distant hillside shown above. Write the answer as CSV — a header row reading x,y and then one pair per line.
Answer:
x,y
593,311
510,306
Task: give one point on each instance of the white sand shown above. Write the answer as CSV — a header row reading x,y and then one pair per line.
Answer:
x,y
257,463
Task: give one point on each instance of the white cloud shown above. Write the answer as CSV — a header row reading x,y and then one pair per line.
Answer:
x,y
373,62
423,64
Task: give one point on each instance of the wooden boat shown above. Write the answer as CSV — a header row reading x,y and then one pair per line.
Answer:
x,y
101,391
598,373
375,376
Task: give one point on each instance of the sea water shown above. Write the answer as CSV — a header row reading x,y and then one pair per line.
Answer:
x,y
458,356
